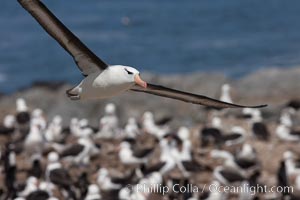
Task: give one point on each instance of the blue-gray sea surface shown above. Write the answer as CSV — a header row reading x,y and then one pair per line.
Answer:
x,y
234,37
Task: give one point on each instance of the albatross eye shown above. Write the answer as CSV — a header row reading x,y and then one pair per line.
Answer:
x,y
128,72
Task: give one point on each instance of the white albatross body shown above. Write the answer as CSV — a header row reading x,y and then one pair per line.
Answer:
x,y
111,82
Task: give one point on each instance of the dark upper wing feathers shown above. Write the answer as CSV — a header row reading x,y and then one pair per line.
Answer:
x,y
86,60
188,97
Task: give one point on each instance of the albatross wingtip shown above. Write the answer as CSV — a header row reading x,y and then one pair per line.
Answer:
x,y
260,106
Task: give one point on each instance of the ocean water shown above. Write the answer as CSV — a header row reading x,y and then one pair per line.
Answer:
x,y
234,37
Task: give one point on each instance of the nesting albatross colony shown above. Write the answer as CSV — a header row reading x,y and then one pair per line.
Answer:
x,y
145,152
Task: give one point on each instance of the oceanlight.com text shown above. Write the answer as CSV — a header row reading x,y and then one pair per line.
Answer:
x,y
213,188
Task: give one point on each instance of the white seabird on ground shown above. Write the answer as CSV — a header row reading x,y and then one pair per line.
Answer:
x,y
247,113
38,195
131,129
184,155
212,132
168,162
8,126
225,93
34,141
171,156
101,80
80,152
215,194
83,123
108,182
38,118
293,103
259,128
93,193
23,115
9,169
59,176
236,136
129,156
105,182
290,165
286,118
75,127
285,130
79,128
243,166
186,151
150,127
53,132
228,176
152,180
284,133
109,123
247,152
124,194
31,186
297,182
36,167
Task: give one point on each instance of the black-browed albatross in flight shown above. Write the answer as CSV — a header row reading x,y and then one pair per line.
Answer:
x,y
101,80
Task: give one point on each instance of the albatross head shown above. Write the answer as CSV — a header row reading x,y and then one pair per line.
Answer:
x,y
128,74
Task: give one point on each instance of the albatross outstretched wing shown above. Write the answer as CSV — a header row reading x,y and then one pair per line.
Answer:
x,y
85,59
188,97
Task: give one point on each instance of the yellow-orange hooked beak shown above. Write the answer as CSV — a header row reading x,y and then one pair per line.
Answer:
x,y
139,81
